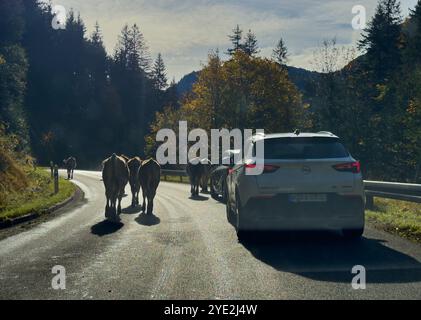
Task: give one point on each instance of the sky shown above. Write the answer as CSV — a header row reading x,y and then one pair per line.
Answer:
x,y
185,31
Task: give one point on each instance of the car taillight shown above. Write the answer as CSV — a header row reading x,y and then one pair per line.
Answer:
x,y
354,167
270,168
267,168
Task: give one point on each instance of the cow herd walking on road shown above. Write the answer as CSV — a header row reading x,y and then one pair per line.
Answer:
x,y
198,171
120,170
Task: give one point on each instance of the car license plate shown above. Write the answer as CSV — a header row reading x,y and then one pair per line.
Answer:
x,y
303,197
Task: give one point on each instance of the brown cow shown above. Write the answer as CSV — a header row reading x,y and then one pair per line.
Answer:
x,y
125,158
134,165
149,176
207,169
115,175
70,165
195,173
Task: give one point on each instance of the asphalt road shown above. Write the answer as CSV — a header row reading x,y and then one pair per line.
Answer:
x,y
188,250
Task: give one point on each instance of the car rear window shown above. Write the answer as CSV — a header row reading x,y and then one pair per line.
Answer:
x,y
304,148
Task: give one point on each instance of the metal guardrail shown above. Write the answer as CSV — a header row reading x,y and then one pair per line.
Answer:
x,y
391,190
181,173
173,173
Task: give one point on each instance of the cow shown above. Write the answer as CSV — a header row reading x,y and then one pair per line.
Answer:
x,y
149,177
195,173
134,165
70,165
126,159
115,175
207,169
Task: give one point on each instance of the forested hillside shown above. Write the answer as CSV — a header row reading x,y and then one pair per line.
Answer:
x,y
374,103
302,78
64,94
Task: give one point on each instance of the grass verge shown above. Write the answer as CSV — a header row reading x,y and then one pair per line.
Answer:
x,y
37,197
398,217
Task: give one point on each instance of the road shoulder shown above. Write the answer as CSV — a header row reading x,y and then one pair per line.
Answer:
x,y
65,207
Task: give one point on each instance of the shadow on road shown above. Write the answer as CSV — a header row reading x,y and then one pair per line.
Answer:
x,y
326,257
148,220
199,198
105,227
132,210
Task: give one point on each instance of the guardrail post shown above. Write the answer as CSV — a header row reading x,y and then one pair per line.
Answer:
x,y
369,202
52,169
55,179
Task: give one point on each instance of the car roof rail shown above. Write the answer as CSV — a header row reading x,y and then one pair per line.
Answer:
x,y
326,132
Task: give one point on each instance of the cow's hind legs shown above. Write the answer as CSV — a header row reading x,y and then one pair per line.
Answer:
x,y
144,202
133,199
107,207
113,213
119,206
150,204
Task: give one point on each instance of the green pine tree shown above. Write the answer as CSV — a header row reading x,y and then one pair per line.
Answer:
x,y
413,37
381,39
250,46
280,53
159,75
96,37
235,39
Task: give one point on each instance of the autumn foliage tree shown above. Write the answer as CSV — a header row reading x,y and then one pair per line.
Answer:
x,y
243,92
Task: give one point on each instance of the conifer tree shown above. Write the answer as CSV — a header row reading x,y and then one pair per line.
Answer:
x,y
280,53
96,37
381,39
159,75
250,46
413,52
235,39
139,54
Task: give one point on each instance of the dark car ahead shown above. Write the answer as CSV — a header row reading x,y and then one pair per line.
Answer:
x,y
218,177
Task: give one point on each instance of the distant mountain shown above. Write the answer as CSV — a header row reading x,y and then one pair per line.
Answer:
x,y
302,78
186,83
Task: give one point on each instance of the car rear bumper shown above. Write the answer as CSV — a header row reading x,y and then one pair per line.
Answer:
x,y
278,213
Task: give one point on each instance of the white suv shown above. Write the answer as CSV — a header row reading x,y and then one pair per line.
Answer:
x,y
309,182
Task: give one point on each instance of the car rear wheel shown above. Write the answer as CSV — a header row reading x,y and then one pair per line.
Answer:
x,y
242,235
230,213
353,234
214,194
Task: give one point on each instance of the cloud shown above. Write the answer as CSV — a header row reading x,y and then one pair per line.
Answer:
x,y
184,31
